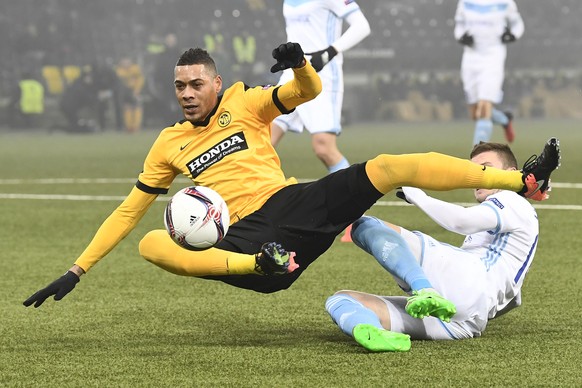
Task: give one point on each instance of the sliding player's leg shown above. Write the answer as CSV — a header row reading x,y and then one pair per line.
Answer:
x,y
395,253
364,318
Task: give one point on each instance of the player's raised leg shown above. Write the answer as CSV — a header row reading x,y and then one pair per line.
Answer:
x,y
435,171
537,170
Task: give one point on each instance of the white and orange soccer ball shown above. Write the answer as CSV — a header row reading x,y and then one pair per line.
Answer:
x,y
196,218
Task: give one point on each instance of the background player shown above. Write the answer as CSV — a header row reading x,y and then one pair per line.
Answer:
x,y
317,26
483,278
484,27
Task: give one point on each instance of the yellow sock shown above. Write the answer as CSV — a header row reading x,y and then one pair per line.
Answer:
x,y
434,171
158,248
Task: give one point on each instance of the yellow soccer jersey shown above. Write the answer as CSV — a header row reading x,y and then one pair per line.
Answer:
x,y
230,153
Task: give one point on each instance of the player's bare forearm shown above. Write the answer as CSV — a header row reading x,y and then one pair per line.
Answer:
x,y
77,270
302,64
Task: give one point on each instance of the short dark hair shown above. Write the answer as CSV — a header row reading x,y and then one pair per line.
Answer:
x,y
503,150
197,56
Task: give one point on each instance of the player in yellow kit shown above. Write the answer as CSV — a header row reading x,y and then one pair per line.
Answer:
x,y
224,143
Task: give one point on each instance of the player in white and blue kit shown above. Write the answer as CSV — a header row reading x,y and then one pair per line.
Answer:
x,y
484,27
317,26
482,278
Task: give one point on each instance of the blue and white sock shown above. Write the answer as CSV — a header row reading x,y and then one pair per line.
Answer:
x,y
499,117
390,250
483,130
347,312
339,166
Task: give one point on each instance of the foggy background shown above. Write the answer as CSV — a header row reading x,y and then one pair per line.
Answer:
x,y
406,70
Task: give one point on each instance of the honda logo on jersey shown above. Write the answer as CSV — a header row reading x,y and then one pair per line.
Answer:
x,y
231,144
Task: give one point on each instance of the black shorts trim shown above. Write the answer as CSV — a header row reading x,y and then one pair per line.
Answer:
x,y
150,190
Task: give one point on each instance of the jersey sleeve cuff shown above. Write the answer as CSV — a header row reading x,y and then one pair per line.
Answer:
x,y
150,190
278,102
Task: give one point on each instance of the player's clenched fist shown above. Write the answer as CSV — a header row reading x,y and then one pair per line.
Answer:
x,y
287,55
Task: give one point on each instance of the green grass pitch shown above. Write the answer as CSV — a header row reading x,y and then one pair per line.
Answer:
x,y
131,324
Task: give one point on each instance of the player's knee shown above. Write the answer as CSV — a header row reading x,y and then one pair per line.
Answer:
x,y
322,151
147,246
364,220
483,110
343,292
339,299
361,224
323,143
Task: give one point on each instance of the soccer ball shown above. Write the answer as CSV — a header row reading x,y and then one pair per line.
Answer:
x,y
196,218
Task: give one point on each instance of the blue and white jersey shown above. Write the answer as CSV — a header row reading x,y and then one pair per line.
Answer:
x,y
316,24
507,250
486,21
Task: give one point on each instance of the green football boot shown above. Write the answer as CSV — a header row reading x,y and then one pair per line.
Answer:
x,y
380,340
428,302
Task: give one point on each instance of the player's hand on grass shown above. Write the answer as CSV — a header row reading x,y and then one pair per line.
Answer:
x,y
59,288
288,55
321,58
274,260
467,40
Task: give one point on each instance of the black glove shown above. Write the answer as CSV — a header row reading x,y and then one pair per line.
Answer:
x,y
507,36
274,260
287,55
59,288
400,194
467,40
321,58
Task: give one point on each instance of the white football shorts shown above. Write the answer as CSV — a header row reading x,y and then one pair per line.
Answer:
x,y
483,78
456,275
322,114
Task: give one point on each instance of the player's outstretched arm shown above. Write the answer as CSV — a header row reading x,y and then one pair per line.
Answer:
x,y
288,55
455,218
59,288
304,86
113,230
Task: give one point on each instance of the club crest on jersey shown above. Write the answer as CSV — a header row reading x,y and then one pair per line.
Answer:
x,y
234,143
224,119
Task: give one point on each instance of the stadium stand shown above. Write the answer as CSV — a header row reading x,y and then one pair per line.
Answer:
x,y
407,68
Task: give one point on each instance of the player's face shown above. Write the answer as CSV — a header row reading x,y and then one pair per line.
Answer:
x,y
489,159
197,91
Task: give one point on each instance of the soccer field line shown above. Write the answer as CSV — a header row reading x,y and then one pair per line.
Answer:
x,y
62,181
71,197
